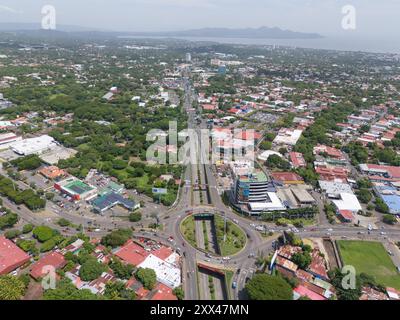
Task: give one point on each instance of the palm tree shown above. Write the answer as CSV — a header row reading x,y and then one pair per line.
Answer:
x,y
11,288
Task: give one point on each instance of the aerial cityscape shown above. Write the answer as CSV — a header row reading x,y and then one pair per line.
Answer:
x,y
154,167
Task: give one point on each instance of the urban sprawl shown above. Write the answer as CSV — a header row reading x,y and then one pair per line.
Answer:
x,y
85,215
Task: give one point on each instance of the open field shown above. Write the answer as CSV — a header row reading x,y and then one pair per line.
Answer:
x,y
371,258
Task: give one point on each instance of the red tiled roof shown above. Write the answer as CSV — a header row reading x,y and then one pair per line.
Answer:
x,y
163,293
245,135
11,257
286,176
132,253
303,291
297,159
54,259
317,265
346,214
162,253
393,171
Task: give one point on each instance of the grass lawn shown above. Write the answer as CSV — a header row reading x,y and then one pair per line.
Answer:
x,y
188,230
371,258
235,237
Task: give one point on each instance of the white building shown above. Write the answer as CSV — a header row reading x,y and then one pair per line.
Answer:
x,y
166,272
6,139
37,145
288,136
348,202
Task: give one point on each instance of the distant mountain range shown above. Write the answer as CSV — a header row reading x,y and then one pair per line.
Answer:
x,y
250,33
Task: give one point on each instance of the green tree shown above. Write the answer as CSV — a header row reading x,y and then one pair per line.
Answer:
x,y
179,293
389,219
121,270
11,288
91,269
147,277
27,228
135,216
267,287
65,290
116,237
43,233
302,259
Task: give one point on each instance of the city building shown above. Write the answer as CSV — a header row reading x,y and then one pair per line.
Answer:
x,y
43,266
163,260
380,173
287,178
76,189
6,139
37,145
287,137
347,201
11,256
251,187
297,160
53,173
110,200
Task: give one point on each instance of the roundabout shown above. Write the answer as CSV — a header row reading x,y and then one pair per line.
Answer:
x,y
213,234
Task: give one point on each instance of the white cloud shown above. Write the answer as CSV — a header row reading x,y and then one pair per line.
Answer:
x,y
8,9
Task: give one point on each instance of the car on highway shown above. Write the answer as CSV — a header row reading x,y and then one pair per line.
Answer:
x,y
226,258
383,233
390,253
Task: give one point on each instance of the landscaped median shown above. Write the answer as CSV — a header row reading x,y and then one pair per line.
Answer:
x,y
235,239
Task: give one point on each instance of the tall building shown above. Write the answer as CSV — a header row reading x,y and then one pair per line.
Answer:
x,y
251,187
188,57
254,193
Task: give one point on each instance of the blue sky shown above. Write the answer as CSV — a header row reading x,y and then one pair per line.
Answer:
x,y
374,17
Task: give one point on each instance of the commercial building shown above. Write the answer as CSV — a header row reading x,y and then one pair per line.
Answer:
x,y
381,173
109,200
6,139
295,196
11,256
347,201
76,189
163,260
37,145
287,137
287,178
252,187
334,189
390,195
